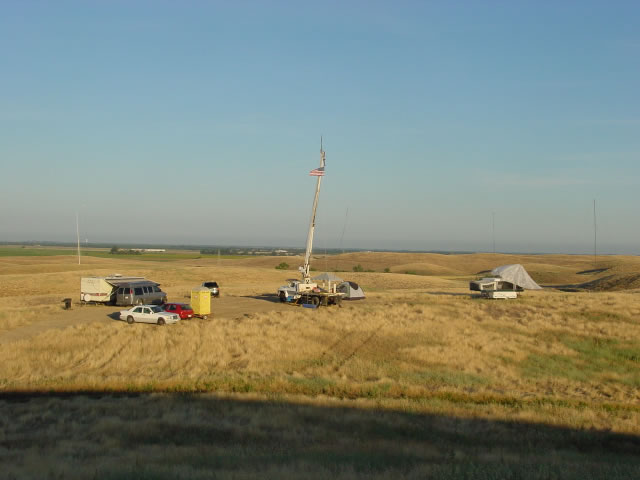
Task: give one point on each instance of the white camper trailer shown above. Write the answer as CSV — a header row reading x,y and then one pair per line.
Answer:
x,y
492,287
101,289
507,281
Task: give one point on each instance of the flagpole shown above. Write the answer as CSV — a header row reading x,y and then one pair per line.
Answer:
x,y
312,224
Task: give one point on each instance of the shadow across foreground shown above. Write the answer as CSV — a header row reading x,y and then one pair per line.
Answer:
x,y
162,435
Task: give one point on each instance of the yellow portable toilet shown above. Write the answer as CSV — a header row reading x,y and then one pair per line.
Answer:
x,y
201,302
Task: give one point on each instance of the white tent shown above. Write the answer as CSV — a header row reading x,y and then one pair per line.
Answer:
x,y
351,290
517,275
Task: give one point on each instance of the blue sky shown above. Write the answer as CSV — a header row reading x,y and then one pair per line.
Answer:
x,y
198,122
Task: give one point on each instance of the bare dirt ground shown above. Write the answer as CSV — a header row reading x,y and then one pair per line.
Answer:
x,y
229,306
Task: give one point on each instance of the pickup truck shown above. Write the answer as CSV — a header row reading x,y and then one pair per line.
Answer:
x,y
213,288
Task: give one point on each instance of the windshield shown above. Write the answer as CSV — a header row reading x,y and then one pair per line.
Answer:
x,y
156,309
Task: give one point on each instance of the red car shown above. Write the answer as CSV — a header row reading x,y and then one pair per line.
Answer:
x,y
182,309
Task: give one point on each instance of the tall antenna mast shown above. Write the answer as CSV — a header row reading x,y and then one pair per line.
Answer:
x,y
595,235
78,236
319,172
344,227
493,230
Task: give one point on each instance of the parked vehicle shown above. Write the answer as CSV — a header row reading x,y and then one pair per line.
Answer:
x,y
184,310
140,293
300,293
213,288
493,287
148,314
506,282
287,292
103,289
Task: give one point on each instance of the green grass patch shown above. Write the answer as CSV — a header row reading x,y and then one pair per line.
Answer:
x,y
595,359
310,386
36,252
159,256
599,317
441,377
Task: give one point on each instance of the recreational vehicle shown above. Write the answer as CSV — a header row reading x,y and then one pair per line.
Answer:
x,y
120,290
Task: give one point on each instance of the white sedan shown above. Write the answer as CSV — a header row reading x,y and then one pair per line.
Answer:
x,y
148,314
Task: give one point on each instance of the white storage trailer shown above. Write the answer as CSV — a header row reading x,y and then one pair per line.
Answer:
x,y
102,289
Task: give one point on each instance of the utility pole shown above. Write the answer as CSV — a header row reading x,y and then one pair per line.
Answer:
x,y
493,230
595,235
78,236
344,227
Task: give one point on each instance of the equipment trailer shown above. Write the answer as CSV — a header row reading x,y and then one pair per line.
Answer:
x,y
306,292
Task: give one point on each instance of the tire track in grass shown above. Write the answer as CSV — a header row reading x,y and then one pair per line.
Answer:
x,y
190,360
198,368
195,359
360,346
116,354
343,349
98,347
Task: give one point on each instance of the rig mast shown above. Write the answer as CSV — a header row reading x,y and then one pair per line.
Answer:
x,y
312,224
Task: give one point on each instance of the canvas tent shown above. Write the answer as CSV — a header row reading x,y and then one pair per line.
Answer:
x,y
327,277
517,275
351,290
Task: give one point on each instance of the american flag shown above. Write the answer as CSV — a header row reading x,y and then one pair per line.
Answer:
x,y
318,172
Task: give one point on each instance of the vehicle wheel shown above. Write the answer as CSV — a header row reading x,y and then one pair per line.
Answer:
x,y
130,320
204,317
283,297
315,301
161,321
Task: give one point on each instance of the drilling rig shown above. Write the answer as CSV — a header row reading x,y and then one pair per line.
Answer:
x,y
305,291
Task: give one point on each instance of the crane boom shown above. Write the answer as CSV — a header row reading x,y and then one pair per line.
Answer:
x,y
312,224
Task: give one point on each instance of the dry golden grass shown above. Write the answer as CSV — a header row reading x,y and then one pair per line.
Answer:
x,y
414,333
418,344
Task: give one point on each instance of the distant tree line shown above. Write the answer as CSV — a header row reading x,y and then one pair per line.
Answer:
x,y
123,251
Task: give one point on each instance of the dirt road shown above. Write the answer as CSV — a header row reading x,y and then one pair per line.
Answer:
x,y
227,306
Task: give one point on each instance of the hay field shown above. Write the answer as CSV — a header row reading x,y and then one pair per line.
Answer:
x,y
420,379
